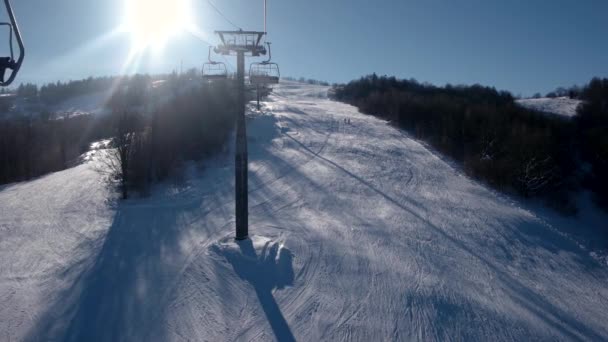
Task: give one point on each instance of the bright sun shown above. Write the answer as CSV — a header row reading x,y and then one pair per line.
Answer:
x,y
152,22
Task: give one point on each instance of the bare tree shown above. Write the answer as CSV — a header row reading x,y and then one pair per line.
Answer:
x,y
536,175
124,146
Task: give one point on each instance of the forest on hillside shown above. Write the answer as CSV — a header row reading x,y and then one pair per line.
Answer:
x,y
149,148
194,121
512,148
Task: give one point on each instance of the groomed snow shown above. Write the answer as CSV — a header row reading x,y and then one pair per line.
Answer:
x,y
563,106
359,233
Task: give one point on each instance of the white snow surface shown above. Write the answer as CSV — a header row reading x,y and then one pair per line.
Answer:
x,y
358,233
563,106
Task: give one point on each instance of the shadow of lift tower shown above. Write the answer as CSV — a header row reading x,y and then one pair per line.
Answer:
x,y
240,43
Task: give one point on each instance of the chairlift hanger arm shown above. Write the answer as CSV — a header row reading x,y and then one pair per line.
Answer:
x,y
209,56
269,53
10,62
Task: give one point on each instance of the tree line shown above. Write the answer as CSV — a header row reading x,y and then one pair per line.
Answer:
x,y
512,148
57,92
193,121
53,93
32,146
592,134
147,149
306,80
35,143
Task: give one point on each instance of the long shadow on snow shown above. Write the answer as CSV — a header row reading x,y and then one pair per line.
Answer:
x,y
120,295
272,269
558,319
527,232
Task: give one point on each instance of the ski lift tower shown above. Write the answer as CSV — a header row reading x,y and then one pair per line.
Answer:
x,y
241,43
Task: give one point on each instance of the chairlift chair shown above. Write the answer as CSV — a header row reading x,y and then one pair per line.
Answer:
x,y
265,72
10,62
214,71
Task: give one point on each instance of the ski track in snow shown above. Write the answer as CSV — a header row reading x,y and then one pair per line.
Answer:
x,y
359,233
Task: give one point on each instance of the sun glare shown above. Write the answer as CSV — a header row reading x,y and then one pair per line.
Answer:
x,y
152,22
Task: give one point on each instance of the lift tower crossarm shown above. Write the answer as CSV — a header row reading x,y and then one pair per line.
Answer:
x,y
241,41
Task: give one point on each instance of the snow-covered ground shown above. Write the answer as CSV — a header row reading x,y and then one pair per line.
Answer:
x,y
564,106
358,233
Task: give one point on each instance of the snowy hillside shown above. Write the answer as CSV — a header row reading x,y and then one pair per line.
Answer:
x,y
159,93
359,233
564,106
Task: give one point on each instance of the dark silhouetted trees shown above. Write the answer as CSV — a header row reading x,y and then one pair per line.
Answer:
x,y
151,142
191,126
592,128
32,146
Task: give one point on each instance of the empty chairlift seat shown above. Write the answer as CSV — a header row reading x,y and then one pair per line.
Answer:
x,y
265,72
214,71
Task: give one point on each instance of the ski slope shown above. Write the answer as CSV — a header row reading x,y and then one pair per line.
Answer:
x,y
563,106
358,233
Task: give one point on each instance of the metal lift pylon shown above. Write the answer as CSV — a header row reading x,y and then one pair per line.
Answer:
x,y
241,43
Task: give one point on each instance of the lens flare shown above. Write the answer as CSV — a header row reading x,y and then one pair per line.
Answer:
x,y
151,23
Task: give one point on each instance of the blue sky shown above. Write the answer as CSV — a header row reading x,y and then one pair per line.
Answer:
x,y
521,46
